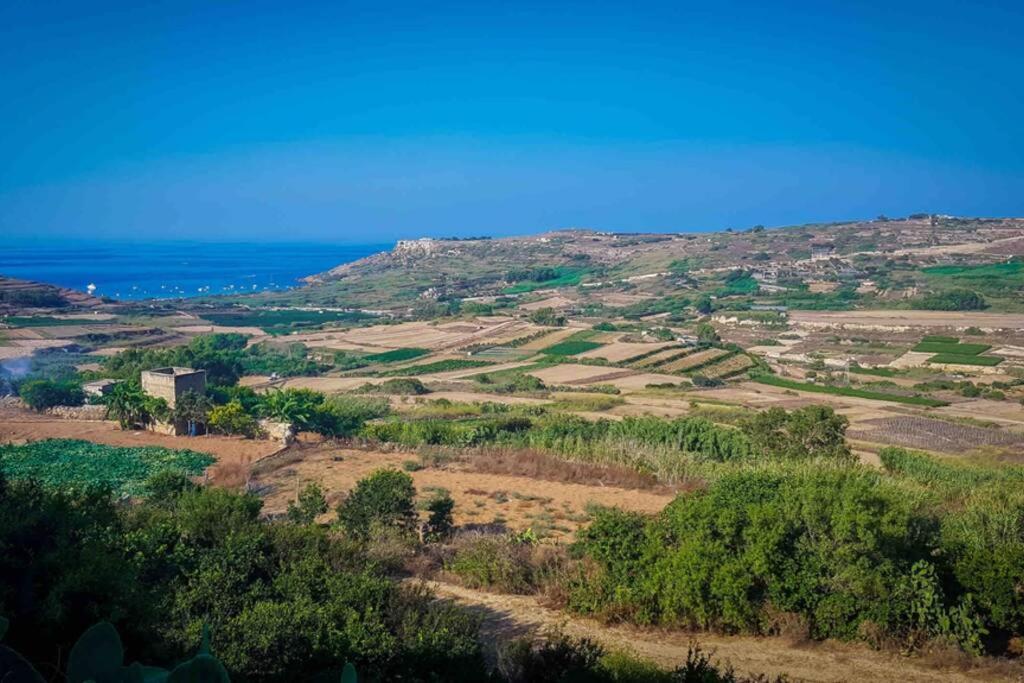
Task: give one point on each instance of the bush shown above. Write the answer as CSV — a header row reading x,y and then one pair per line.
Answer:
x,y
40,394
439,520
232,418
492,561
386,498
826,544
308,505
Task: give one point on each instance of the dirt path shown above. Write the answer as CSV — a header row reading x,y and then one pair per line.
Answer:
x,y
511,616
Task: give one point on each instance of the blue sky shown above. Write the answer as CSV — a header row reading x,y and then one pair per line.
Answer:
x,y
361,122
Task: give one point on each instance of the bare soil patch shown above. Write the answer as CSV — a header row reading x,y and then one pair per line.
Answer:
x,y
480,497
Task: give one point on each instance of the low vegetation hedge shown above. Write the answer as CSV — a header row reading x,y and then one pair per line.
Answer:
x,y
848,391
985,361
396,355
437,366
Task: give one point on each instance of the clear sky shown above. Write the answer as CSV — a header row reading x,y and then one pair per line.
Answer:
x,y
361,122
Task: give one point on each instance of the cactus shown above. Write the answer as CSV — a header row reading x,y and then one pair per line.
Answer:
x,y
348,674
203,668
14,667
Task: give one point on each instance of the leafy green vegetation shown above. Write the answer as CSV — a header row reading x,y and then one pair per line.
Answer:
x,y
283,321
952,300
986,361
225,357
954,347
396,355
848,391
285,601
50,321
565,277
40,394
446,365
571,347
73,463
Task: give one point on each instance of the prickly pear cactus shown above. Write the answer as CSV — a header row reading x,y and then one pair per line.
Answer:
x,y
348,674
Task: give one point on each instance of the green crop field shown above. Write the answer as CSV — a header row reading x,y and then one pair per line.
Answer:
x,y
278,322
566,278
993,279
940,338
437,366
70,462
986,361
50,321
396,355
849,391
571,347
951,348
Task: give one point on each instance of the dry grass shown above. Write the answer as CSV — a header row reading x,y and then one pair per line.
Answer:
x,y
539,465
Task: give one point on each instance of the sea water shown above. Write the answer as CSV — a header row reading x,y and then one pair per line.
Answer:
x,y
163,269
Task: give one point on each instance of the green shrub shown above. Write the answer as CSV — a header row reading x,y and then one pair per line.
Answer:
x,y
385,499
439,523
308,505
492,561
232,418
40,394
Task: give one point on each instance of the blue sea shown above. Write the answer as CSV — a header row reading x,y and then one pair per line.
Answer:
x,y
164,269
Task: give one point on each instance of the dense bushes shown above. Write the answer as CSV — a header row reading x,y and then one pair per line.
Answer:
x,y
225,357
841,548
284,601
952,300
40,394
809,433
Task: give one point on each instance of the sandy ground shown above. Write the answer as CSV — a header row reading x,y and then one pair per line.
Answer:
x,y
619,351
510,616
19,348
637,382
566,373
327,385
480,498
469,372
549,339
908,319
556,301
19,426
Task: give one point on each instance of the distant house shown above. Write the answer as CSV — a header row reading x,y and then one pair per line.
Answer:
x,y
170,383
821,251
99,388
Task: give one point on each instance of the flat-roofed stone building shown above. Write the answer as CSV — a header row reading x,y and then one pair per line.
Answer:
x,y
170,383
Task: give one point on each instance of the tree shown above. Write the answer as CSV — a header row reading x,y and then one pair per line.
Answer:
x,y
192,408
706,334
308,505
704,305
385,498
547,317
40,394
232,418
132,407
815,431
439,521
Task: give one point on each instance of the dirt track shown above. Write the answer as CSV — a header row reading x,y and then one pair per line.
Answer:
x,y
511,616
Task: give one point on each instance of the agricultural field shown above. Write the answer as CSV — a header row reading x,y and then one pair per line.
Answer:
x,y
69,462
934,435
396,355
